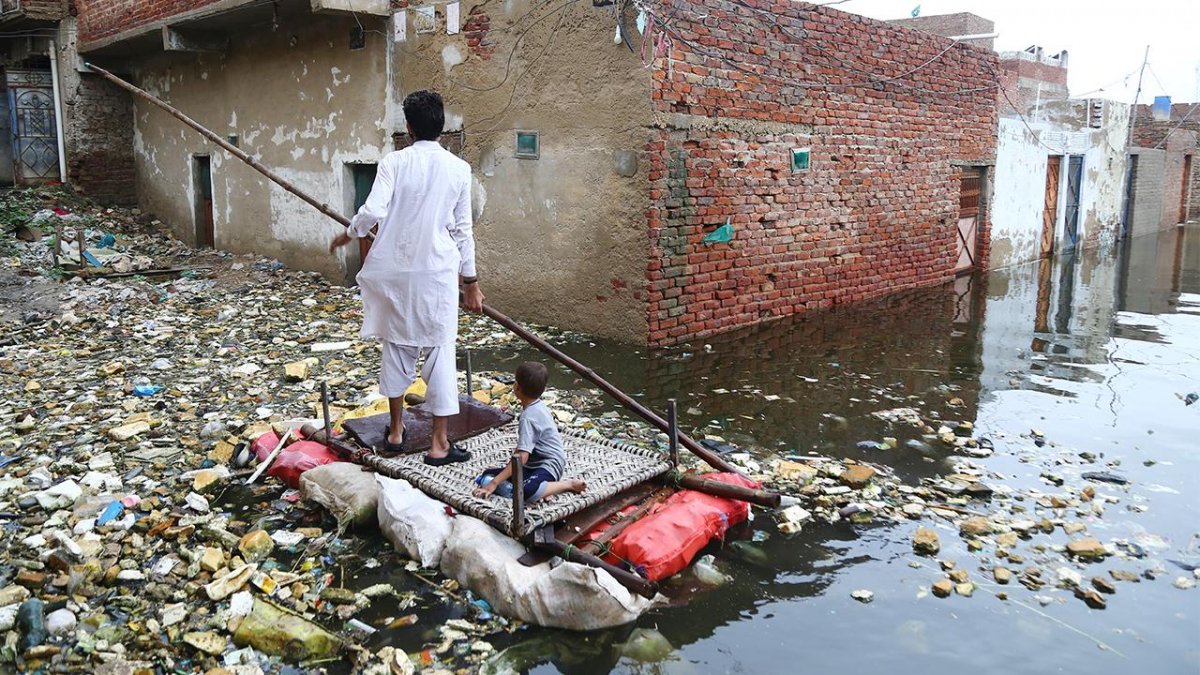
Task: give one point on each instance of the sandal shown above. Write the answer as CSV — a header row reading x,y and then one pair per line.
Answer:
x,y
393,449
456,454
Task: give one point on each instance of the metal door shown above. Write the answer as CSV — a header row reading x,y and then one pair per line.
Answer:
x,y
1050,212
31,111
6,143
1074,189
970,187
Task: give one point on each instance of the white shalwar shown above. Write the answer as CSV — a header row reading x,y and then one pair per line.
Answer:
x,y
421,201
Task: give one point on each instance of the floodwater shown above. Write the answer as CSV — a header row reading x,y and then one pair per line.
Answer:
x,y
1097,352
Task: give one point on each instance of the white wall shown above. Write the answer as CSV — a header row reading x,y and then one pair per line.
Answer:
x,y
1019,195
1022,154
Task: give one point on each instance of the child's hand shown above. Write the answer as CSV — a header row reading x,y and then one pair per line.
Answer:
x,y
485,491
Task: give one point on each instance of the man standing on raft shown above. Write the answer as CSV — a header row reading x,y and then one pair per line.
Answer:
x,y
421,202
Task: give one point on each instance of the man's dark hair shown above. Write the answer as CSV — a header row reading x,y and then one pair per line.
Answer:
x,y
532,377
426,114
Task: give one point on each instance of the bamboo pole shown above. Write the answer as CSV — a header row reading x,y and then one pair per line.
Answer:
x,y
716,488
673,434
633,582
517,479
325,413
711,458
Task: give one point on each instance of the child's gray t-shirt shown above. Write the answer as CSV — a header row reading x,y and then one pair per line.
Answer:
x,y
537,434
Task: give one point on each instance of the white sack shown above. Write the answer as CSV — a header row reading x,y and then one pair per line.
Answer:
x,y
571,596
348,491
414,522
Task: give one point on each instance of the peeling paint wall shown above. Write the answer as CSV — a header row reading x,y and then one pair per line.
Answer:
x,y
562,238
1018,202
1060,128
300,101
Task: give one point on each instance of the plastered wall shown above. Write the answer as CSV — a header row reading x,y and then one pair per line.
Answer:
x,y
298,100
561,239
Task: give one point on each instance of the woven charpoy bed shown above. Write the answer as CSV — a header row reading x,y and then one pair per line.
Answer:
x,y
607,466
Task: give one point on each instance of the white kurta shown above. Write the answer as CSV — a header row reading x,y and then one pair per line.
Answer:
x,y
421,201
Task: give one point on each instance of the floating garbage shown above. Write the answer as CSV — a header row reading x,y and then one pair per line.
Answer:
x,y
750,553
706,572
647,646
273,630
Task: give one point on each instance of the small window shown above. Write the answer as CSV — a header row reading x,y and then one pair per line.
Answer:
x,y
528,145
800,159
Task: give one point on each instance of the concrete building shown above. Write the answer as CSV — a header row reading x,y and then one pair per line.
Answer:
x,y
1060,163
1030,77
1163,183
1060,177
610,144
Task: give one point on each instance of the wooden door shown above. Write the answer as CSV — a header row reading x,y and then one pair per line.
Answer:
x,y
1050,212
1183,188
970,189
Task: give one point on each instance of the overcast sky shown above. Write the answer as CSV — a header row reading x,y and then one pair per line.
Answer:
x,y
1106,39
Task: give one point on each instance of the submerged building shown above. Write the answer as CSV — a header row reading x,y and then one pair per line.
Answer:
x,y
652,175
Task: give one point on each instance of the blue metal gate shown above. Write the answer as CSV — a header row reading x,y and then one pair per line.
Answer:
x,y
34,136
1074,192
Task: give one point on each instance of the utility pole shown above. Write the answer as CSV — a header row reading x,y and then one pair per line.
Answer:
x,y
1136,96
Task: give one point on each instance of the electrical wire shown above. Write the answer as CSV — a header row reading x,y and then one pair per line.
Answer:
x,y
512,52
1153,74
513,93
1123,78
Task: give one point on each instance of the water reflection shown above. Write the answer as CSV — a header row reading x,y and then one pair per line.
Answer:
x,y
1094,347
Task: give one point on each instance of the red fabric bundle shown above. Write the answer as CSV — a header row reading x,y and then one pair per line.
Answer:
x,y
665,540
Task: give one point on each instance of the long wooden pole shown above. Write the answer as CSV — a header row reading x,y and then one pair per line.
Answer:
x,y
711,458
634,582
766,498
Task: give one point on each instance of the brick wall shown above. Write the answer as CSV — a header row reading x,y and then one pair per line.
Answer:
x,y
877,210
99,140
1149,133
104,18
1147,191
1027,83
1178,138
951,25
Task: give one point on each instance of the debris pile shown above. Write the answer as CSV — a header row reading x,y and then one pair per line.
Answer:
x,y
125,448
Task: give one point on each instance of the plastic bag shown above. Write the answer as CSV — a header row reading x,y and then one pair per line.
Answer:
x,y
298,458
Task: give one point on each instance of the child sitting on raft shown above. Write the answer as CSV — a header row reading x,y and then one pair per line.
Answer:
x,y
538,442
